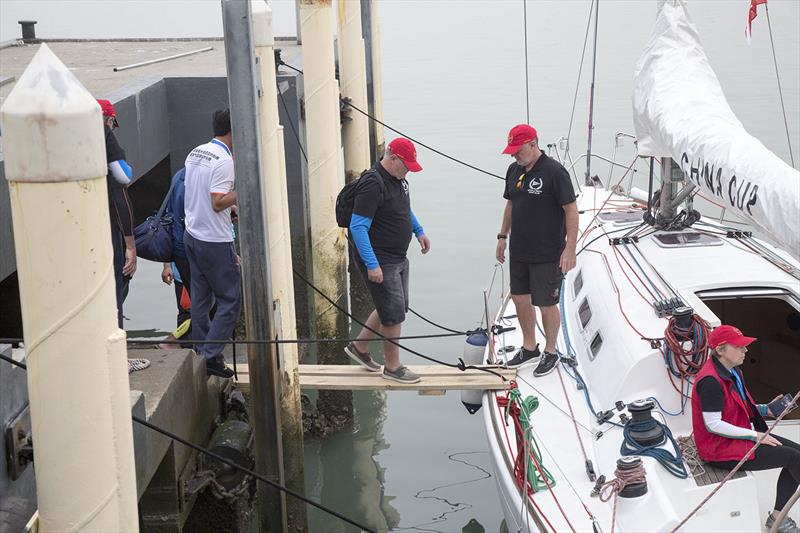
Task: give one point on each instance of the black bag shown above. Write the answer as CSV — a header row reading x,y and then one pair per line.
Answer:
x,y
154,235
345,200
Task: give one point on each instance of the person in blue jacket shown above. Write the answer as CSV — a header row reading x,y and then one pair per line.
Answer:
x,y
178,271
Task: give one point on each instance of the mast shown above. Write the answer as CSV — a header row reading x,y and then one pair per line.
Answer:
x,y
588,178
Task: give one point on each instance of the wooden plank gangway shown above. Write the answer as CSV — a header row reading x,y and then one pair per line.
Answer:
x,y
434,379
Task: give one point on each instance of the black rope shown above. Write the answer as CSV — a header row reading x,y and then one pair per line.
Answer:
x,y
260,341
291,124
453,332
460,365
249,472
225,461
434,150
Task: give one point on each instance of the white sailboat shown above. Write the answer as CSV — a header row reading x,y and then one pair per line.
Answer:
x,y
624,313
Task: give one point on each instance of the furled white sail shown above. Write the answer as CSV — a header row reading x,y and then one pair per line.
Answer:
x,y
680,111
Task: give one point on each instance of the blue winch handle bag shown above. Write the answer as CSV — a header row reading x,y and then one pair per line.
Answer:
x,y
154,235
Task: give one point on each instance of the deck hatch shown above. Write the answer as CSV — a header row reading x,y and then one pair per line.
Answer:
x,y
621,217
686,238
578,283
584,313
597,343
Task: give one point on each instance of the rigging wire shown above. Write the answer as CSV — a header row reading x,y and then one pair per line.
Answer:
x,y
780,89
580,71
527,85
588,178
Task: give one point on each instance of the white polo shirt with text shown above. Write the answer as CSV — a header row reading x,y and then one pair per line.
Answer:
x,y
209,169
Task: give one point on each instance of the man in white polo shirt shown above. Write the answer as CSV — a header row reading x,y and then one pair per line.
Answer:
x,y
208,241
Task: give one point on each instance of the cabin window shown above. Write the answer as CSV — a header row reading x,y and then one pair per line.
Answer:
x,y
597,343
584,313
578,284
772,363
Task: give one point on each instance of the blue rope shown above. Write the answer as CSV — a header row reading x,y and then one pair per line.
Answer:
x,y
673,463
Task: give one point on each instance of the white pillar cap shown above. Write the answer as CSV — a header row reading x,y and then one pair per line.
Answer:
x,y
262,24
52,127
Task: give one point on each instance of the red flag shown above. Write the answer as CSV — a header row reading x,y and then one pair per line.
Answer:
x,y
753,13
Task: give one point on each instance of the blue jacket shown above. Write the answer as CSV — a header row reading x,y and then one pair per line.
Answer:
x,y
175,206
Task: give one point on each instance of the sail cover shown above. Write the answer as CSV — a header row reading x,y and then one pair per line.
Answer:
x,y
681,112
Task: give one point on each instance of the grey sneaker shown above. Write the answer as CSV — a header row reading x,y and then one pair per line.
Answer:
x,y
787,526
401,375
362,358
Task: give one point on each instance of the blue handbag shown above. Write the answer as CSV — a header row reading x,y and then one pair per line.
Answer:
x,y
154,236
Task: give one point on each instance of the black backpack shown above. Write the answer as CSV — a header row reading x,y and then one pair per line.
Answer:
x,y
345,201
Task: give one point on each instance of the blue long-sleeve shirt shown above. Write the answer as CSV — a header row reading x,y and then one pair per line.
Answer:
x,y
359,231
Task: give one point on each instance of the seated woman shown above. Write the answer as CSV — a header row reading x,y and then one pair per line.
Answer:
x,y
727,422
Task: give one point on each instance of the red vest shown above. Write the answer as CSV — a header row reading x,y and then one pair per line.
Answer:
x,y
713,447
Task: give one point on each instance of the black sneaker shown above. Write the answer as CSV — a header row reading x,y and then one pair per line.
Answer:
x,y
546,365
217,367
523,356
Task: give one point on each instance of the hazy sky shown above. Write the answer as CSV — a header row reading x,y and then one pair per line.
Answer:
x,y
103,19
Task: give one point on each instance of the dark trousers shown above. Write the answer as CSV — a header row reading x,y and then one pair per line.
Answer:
x,y
118,243
215,278
786,457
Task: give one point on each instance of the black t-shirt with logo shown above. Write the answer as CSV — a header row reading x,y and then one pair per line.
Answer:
x,y
389,207
538,226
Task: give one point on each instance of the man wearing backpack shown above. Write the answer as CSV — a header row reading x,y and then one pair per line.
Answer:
x,y
381,227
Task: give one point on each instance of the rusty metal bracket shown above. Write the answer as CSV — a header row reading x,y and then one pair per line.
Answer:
x,y
19,443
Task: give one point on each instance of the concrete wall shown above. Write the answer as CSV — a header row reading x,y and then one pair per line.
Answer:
x,y
8,258
167,117
17,498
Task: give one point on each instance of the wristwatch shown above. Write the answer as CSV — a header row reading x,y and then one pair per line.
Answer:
x,y
501,236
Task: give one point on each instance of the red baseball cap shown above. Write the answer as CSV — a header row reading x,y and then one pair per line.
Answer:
x,y
519,135
728,335
404,149
108,110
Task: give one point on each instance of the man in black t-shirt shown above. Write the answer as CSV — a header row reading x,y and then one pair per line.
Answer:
x,y
380,232
542,218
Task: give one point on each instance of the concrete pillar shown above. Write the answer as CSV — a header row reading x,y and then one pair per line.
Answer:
x,y
325,180
77,361
353,82
265,379
371,30
355,130
273,183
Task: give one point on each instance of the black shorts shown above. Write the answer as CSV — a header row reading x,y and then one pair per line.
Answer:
x,y
390,297
541,280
